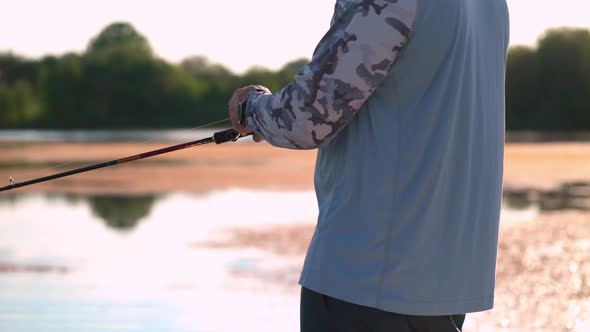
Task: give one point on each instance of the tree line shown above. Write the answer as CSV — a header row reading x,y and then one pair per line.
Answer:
x,y
548,86
118,82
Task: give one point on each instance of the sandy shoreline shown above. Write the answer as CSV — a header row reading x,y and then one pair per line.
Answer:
x,y
197,169
241,165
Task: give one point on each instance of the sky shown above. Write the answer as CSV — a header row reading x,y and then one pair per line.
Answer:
x,y
236,33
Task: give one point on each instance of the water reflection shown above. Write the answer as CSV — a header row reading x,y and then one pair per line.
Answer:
x,y
122,213
62,269
119,212
569,196
125,212
31,268
9,199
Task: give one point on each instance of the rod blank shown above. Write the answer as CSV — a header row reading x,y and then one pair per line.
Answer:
x,y
228,135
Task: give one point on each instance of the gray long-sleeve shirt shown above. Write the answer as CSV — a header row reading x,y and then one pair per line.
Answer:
x,y
405,101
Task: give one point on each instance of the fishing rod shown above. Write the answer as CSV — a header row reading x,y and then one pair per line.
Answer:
x,y
228,135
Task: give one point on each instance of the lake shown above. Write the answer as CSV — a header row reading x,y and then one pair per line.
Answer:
x,y
186,242
143,263
74,263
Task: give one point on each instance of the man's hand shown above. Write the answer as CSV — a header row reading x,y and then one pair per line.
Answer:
x,y
239,96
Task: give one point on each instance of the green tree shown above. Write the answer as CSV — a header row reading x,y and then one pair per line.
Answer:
x,y
522,86
220,82
273,80
262,76
564,73
60,89
121,88
118,83
288,72
548,87
18,105
202,68
120,35
14,68
121,79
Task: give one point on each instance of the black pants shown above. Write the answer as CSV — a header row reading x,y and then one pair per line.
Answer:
x,y
321,313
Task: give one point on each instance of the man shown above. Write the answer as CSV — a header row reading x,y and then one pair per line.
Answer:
x,y
405,101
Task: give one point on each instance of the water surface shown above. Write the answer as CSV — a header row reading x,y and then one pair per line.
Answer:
x,y
142,263
75,263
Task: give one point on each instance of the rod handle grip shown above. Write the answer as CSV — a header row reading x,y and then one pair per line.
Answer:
x,y
229,135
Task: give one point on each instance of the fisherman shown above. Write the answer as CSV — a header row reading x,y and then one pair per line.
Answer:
x,y
405,101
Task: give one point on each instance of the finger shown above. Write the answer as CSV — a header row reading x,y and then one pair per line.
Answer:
x,y
237,97
257,138
262,87
240,129
233,113
235,122
243,92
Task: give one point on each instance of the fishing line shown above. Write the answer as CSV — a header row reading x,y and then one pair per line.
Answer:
x,y
181,131
49,170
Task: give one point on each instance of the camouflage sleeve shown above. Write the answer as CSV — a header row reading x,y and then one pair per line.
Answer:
x,y
350,62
